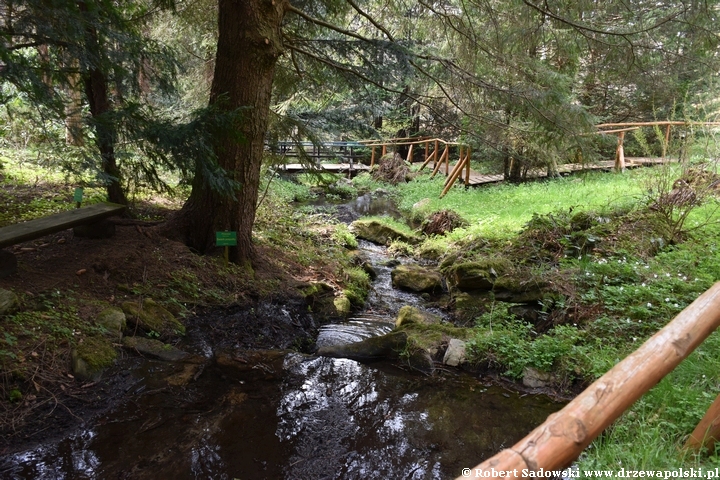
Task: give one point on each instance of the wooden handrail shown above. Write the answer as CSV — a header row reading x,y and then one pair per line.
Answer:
x,y
556,443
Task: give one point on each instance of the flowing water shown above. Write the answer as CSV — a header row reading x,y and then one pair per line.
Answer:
x,y
272,414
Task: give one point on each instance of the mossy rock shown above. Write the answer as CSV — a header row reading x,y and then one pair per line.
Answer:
x,y
380,233
375,348
152,317
155,348
416,278
91,357
8,302
113,320
317,289
342,305
412,315
514,290
479,274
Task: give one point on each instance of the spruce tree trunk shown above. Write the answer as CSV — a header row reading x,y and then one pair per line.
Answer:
x,y
96,89
249,45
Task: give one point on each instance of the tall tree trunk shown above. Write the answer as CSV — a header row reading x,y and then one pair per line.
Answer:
x,y
73,110
249,45
96,89
97,92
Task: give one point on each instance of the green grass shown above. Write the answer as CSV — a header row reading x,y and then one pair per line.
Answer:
x,y
499,211
622,293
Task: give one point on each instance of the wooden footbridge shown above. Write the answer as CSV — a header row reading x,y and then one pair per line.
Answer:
x,y
453,158
332,157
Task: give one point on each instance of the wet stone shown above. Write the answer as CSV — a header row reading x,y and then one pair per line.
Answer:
x,y
155,348
455,353
8,302
416,279
113,320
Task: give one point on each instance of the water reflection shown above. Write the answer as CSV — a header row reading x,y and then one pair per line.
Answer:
x,y
293,417
346,420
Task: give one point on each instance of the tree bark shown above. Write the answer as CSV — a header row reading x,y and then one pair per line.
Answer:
x,y
96,89
249,45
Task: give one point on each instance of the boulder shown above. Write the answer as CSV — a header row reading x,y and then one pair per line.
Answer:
x,y
455,353
152,317
8,302
113,320
155,348
91,357
374,348
416,278
513,290
534,378
392,346
470,276
8,263
412,315
342,305
380,233
469,303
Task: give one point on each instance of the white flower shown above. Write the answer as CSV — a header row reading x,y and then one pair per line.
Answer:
x,y
667,299
677,306
634,339
643,284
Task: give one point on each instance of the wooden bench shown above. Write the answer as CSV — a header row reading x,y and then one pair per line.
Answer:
x,y
22,232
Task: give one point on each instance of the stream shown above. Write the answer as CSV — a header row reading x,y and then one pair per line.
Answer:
x,y
275,414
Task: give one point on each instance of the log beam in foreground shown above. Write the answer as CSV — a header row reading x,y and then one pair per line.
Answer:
x,y
556,443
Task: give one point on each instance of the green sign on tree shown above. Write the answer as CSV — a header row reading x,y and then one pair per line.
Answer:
x,y
225,239
78,196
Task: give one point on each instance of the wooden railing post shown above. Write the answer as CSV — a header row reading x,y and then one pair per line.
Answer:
x,y
410,153
372,157
666,142
564,435
620,153
443,157
708,430
467,167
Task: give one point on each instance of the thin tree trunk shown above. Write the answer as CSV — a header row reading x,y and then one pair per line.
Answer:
x,y
97,93
96,89
249,45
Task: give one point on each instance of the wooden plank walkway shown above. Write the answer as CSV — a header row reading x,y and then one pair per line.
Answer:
x,y
325,167
21,232
482,179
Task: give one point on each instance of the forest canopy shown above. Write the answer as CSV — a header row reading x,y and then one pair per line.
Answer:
x,y
134,90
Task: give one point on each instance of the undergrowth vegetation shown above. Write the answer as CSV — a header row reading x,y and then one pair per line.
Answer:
x,y
621,256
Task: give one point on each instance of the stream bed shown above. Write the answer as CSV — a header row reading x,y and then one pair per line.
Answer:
x,y
239,414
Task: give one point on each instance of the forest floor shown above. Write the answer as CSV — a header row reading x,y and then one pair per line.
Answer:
x,y
64,281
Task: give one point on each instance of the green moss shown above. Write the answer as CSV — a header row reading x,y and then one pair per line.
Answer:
x,y
357,285
153,317
482,266
428,336
97,352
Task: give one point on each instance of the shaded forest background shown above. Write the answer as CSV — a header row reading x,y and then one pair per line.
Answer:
x,y
161,93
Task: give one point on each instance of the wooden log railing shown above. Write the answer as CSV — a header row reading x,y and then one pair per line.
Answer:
x,y
625,127
556,443
439,161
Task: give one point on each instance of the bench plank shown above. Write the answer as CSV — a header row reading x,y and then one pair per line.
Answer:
x,y
21,232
